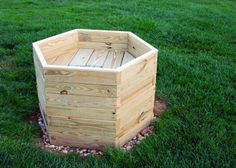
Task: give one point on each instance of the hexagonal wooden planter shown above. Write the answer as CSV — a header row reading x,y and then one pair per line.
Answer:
x,y
96,88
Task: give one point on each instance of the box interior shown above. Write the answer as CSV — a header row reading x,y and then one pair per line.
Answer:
x,y
85,48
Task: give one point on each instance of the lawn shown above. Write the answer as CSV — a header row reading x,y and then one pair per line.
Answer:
x,y
196,78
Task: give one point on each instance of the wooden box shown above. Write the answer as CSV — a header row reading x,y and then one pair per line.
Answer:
x,y
96,88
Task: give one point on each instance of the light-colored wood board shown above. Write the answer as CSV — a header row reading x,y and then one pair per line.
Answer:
x,y
37,64
82,124
52,56
80,138
141,41
55,47
56,42
136,46
82,112
134,130
134,100
137,60
137,119
127,58
144,87
147,64
41,89
103,36
62,140
126,98
81,89
65,58
97,58
58,100
38,53
114,59
54,38
127,87
103,46
81,76
128,115
81,57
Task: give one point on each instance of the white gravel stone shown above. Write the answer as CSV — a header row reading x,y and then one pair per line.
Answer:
x,y
65,151
51,146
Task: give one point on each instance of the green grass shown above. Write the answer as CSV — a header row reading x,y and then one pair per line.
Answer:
x,y
196,77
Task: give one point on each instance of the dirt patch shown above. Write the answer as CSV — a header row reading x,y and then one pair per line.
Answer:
x,y
159,108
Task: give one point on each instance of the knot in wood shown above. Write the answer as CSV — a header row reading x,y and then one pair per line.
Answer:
x,y
64,92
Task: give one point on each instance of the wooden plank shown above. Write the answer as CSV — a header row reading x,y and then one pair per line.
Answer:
x,y
40,88
82,112
137,46
58,41
81,76
103,36
141,79
114,59
87,125
132,113
41,92
103,46
65,57
80,137
126,91
136,98
147,64
97,58
81,89
38,64
81,57
58,100
134,129
127,58
58,45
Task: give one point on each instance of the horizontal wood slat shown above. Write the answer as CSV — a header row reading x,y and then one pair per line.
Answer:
x,y
80,137
82,124
58,100
80,76
82,112
103,46
105,36
81,89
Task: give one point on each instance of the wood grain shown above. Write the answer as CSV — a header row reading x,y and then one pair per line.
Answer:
x,y
103,46
81,89
81,57
82,112
97,58
83,124
80,137
65,57
81,76
114,59
103,36
137,47
127,58
58,46
58,100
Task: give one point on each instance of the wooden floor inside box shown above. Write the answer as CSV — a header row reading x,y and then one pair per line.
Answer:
x,y
99,58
